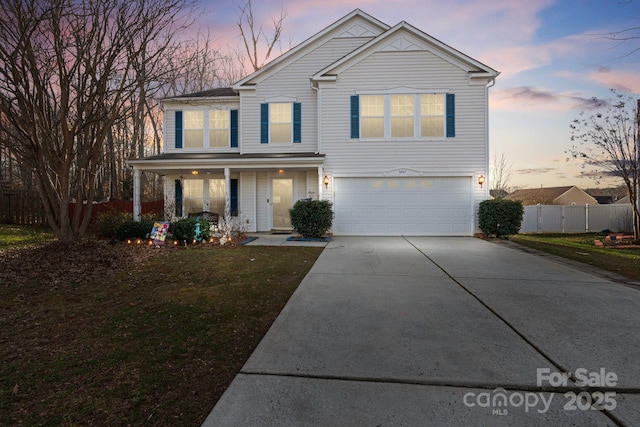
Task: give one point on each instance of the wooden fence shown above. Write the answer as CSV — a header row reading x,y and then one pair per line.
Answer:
x,y
25,208
21,207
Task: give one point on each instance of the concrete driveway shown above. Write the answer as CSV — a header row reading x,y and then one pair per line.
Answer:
x,y
390,331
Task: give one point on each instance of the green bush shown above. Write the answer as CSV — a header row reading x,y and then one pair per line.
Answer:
x,y
500,217
108,222
185,229
311,218
134,230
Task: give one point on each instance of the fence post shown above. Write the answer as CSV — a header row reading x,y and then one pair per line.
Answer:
x,y
539,221
586,217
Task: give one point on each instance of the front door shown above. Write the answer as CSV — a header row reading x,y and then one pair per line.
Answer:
x,y
282,201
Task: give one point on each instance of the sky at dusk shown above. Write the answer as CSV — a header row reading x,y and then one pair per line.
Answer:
x,y
553,57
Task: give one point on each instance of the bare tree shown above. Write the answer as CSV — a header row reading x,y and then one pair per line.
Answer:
x,y
500,175
626,35
67,73
607,143
253,35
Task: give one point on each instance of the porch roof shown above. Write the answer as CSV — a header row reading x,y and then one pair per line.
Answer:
x,y
172,163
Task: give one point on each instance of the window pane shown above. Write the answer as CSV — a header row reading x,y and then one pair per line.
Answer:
x,y
193,195
193,129
433,126
372,105
372,116
402,111
193,119
216,196
372,127
432,115
280,122
281,132
193,138
402,127
432,104
219,138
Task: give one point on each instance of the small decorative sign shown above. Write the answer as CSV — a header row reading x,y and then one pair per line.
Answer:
x,y
159,233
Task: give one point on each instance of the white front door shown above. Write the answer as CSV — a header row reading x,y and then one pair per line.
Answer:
x,y
282,201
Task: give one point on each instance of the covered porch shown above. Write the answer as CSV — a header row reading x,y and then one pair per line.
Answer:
x,y
258,189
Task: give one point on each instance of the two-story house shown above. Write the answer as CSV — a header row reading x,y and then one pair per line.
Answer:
x,y
388,123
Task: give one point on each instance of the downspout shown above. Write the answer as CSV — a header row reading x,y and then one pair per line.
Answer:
x,y
314,86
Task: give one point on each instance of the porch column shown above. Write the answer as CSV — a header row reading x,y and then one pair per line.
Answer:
x,y
320,183
136,194
227,192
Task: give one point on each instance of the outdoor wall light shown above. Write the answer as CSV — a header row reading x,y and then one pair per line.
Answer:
x,y
194,172
326,181
481,180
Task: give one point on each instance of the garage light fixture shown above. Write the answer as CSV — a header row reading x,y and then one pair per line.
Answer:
x,y
326,181
481,180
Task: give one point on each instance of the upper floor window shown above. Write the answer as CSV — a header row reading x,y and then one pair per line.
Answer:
x,y
206,129
402,112
432,115
280,122
219,128
372,116
403,116
193,129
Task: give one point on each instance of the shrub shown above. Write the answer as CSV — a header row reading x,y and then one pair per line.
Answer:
x,y
134,230
185,229
500,217
108,222
311,218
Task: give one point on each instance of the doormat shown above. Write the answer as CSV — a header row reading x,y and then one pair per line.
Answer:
x,y
308,239
248,240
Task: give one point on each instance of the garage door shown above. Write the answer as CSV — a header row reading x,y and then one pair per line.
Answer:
x,y
419,206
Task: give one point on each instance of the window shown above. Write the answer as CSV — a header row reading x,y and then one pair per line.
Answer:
x,y
206,129
432,115
193,129
216,196
402,116
193,191
219,125
280,122
402,111
372,116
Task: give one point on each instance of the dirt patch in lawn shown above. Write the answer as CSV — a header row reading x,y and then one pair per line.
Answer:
x,y
99,334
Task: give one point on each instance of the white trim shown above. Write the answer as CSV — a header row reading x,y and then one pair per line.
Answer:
x,y
299,49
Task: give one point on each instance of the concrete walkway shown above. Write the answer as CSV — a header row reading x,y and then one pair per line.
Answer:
x,y
442,331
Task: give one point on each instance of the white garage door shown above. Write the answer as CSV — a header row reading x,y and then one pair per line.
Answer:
x,y
421,206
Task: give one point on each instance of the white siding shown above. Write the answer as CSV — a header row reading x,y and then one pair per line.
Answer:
x,y
421,71
292,82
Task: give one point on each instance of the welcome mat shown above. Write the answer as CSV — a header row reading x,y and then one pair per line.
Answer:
x,y
308,239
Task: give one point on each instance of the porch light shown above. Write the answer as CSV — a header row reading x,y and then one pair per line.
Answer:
x,y
481,180
326,181
194,172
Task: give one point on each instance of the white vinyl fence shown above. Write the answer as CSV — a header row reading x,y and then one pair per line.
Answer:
x,y
577,218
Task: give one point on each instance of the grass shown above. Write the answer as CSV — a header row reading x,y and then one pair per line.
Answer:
x,y
580,247
152,343
12,236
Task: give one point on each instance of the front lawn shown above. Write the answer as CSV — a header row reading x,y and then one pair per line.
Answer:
x,y
12,236
98,334
580,247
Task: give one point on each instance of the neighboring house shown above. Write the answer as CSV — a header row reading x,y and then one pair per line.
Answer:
x,y
570,195
387,123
